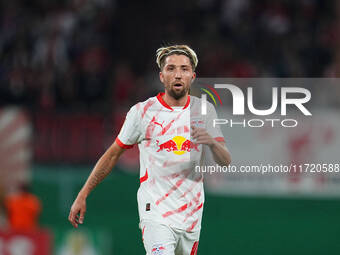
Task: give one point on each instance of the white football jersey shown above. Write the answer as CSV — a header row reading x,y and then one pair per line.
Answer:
x,y
171,191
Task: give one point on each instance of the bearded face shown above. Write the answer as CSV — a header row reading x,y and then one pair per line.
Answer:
x,y
177,76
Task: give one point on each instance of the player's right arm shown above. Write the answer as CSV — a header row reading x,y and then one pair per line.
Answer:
x,y
103,167
129,135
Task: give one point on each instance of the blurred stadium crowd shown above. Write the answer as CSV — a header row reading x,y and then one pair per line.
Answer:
x,y
94,55
74,67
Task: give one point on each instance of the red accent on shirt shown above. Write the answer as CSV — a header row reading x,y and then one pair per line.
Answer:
x,y
219,139
193,211
192,226
144,178
124,146
173,188
197,181
161,100
143,233
146,107
178,210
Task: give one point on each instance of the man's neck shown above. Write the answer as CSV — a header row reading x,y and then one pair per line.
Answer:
x,y
175,102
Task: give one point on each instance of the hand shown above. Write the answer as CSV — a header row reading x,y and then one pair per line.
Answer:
x,y
77,211
201,136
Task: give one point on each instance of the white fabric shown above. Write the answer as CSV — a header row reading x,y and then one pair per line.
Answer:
x,y
160,239
171,192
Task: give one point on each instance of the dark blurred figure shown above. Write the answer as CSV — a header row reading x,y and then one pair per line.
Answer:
x,y
23,209
2,208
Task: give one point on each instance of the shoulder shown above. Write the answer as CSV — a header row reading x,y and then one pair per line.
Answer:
x,y
146,104
141,108
197,102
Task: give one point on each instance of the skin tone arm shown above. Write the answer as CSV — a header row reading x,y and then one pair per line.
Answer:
x,y
219,150
103,167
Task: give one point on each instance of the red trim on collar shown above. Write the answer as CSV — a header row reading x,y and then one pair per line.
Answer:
x,y
160,99
187,103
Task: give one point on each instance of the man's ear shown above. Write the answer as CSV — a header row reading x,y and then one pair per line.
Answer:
x,y
193,77
161,77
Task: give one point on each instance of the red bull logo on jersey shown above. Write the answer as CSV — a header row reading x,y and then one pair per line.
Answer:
x,y
158,250
178,145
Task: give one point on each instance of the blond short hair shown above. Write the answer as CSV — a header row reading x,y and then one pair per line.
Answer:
x,y
164,52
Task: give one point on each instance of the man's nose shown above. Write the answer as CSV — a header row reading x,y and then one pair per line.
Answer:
x,y
178,74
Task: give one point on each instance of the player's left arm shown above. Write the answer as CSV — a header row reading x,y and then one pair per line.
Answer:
x,y
219,150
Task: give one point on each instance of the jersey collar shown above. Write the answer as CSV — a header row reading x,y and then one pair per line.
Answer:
x,y
160,99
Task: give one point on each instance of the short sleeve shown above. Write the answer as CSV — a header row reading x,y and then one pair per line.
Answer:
x,y
214,132
130,132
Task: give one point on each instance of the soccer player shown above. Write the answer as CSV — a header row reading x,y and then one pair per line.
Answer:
x,y
173,137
